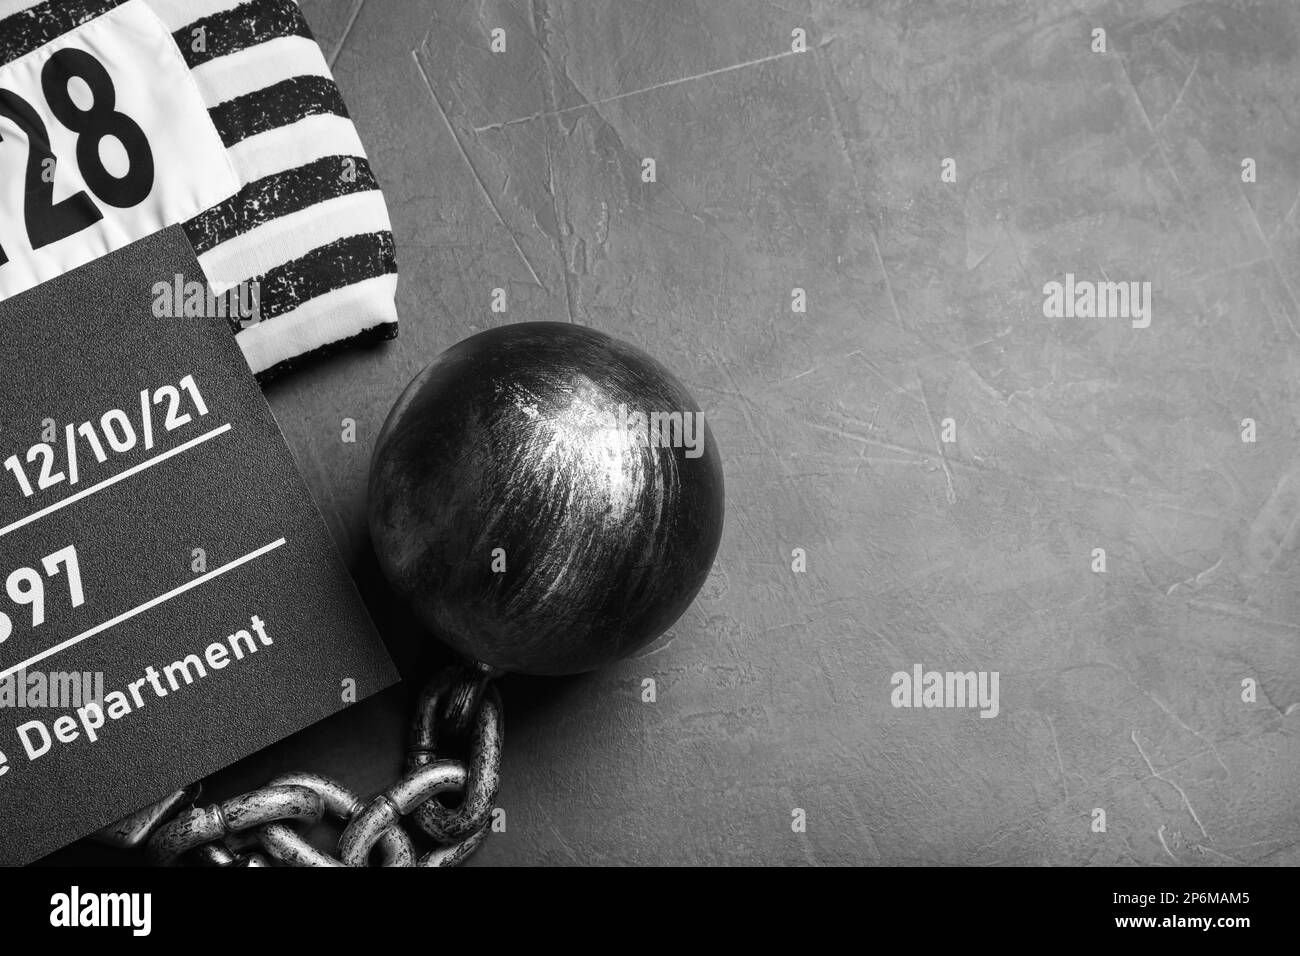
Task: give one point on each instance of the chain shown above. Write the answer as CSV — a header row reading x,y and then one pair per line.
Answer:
x,y
270,825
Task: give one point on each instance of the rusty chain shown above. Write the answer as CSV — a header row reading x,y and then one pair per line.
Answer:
x,y
270,825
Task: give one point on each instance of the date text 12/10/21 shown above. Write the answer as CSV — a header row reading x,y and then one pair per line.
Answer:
x,y
162,410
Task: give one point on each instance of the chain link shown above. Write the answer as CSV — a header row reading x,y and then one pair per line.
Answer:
x,y
438,705
459,704
386,810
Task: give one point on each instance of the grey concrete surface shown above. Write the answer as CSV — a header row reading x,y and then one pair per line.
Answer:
x,y
1120,690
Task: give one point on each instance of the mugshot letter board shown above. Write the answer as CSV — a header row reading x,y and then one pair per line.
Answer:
x,y
170,598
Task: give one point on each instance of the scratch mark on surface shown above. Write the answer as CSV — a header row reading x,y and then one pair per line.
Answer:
x,y
981,260
1020,260
960,351
1287,841
988,44
1277,266
566,273
559,837
884,640
1222,856
415,55
539,16
1241,614
1160,146
795,378
847,156
557,68
1295,203
1157,774
1060,764
764,438
853,436
881,460
835,122
1160,834
1191,730
662,644
1093,487
889,286
1206,276
1194,583
622,96
897,389
784,625
347,32
1168,712
1033,481
861,826
934,434
1179,98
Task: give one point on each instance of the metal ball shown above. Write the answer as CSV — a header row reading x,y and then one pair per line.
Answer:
x,y
528,516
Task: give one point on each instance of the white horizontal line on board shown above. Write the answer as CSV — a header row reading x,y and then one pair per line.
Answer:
x,y
100,628
22,522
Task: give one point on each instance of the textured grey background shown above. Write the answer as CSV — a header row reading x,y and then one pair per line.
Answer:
x,y
821,170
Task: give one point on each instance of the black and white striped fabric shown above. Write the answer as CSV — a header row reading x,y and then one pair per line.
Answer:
x,y
308,224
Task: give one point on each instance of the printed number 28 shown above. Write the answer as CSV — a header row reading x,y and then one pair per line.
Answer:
x,y
48,221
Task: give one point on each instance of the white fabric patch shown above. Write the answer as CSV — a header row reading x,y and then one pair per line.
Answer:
x,y
104,139
325,320
290,237
300,143
9,7
258,67
181,13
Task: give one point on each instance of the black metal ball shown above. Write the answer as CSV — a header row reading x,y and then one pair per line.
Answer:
x,y
532,521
